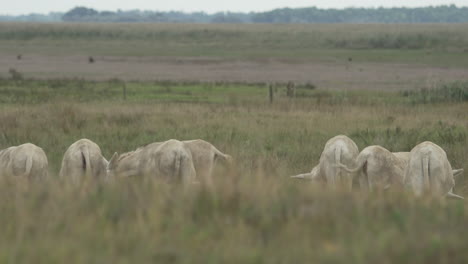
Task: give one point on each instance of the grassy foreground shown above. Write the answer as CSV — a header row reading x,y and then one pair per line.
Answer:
x,y
256,214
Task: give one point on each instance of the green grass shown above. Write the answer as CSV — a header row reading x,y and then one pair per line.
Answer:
x,y
79,90
439,44
31,91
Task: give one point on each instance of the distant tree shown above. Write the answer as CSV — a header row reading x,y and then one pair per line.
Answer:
x,y
226,18
439,14
80,14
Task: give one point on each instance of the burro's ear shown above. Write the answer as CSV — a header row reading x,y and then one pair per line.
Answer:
x,y
105,162
113,161
451,195
457,173
300,176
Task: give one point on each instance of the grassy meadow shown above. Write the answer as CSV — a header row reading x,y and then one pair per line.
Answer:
x,y
255,214
432,44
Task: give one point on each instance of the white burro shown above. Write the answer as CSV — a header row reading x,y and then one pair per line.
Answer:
x,y
338,150
429,172
205,157
379,169
83,159
26,161
169,161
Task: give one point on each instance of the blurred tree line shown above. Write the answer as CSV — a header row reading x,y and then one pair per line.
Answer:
x,y
51,17
438,14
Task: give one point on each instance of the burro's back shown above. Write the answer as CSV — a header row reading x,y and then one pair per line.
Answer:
x,y
27,161
170,161
429,172
83,159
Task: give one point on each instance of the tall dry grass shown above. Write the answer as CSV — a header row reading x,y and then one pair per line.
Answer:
x,y
249,219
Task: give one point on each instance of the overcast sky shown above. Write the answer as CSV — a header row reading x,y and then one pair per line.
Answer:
x,y
44,6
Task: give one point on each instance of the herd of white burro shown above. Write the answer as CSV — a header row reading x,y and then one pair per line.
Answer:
x,y
423,171
172,161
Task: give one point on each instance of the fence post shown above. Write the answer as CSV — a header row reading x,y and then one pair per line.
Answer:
x,y
270,88
291,89
124,86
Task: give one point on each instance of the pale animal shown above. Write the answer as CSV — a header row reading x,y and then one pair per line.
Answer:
x,y
338,150
205,156
429,172
25,161
169,161
379,169
83,159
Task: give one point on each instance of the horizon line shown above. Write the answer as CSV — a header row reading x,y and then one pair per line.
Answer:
x,y
231,11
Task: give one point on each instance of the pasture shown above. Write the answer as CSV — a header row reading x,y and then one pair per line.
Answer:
x,y
256,214
330,56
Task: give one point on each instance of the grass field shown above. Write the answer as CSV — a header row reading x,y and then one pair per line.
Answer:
x,y
255,214
330,56
433,44
242,41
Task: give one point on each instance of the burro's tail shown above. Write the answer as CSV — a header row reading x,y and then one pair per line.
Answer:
x,y
28,167
184,168
425,170
177,165
336,172
227,159
359,171
86,161
338,160
361,161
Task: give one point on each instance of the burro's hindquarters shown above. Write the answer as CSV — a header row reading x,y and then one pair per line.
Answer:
x,y
26,161
338,150
205,156
169,161
174,162
83,159
429,172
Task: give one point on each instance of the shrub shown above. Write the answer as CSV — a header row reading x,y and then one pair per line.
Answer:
x,y
15,75
452,92
398,139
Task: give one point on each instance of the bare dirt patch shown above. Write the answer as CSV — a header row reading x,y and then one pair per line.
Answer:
x,y
327,75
